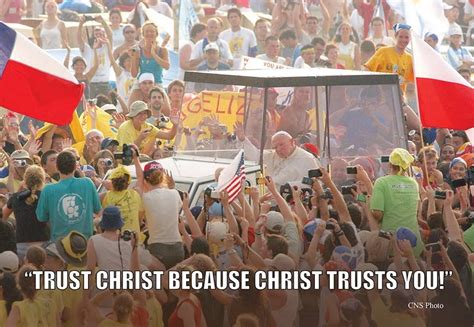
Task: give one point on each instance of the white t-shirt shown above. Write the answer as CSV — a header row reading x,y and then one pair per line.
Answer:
x,y
108,254
162,208
185,45
103,71
224,50
299,63
125,84
240,42
279,60
163,8
117,37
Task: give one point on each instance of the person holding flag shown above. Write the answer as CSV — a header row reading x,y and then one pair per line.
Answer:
x,y
395,59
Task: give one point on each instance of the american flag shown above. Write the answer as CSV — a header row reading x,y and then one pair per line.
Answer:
x,y
232,176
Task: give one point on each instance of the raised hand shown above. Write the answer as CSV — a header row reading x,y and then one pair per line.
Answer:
x,y
239,131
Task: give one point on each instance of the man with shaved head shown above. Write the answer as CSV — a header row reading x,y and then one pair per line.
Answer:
x,y
285,162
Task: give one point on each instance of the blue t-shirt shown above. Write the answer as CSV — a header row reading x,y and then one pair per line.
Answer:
x,y
150,65
69,205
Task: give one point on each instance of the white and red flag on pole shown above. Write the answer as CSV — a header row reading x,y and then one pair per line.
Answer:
x,y
33,83
231,177
445,99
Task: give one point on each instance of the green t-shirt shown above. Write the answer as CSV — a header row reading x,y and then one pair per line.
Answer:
x,y
69,205
397,196
469,237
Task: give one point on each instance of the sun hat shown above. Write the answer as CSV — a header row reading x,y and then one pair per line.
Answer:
x,y
73,249
21,155
111,218
138,107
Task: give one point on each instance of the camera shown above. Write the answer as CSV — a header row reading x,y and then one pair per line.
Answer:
x,y
181,194
441,195
127,235
384,234
351,170
285,191
435,247
212,193
347,190
459,183
161,123
127,155
19,163
330,226
307,181
384,159
89,18
314,173
108,162
327,195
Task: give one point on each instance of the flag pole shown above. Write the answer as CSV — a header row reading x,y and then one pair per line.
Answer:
x,y
418,105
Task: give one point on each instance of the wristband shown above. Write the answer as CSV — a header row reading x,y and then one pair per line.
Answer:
x,y
340,233
258,233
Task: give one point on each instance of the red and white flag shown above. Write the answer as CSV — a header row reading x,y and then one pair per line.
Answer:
x,y
446,100
231,177
33,83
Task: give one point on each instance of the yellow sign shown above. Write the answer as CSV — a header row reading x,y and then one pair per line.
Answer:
x,y
228,107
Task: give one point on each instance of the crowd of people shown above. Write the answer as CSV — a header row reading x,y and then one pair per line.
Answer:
x,y
412,210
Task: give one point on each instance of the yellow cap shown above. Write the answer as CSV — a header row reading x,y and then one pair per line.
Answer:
x,y
401,157
119,172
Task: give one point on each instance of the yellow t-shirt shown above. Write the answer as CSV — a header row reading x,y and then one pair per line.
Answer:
x,y
127,134
56,297
16,183
387,60
72,298
130,204
39,312
155,311
3,313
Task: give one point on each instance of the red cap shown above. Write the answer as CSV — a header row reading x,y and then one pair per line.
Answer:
x,y
153,165
313,149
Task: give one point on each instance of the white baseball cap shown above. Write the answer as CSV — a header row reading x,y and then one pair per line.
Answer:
x,y
275,221
217,231
146,77
281,262
211,46
9,262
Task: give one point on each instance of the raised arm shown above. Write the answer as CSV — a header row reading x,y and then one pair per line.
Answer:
x,y
79,36
281,202
339,203
139,172
233,227
192,223
90,74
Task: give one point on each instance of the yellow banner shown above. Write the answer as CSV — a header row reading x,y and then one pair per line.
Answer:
x,y
104,123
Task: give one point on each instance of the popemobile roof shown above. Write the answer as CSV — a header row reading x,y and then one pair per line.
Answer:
x,y
291,77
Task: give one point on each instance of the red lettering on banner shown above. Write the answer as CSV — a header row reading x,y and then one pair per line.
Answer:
x,y
194,106
218,105
203,101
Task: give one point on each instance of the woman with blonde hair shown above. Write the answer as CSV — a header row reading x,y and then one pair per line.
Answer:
x,y
51,33
29,231
150,57
349,51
